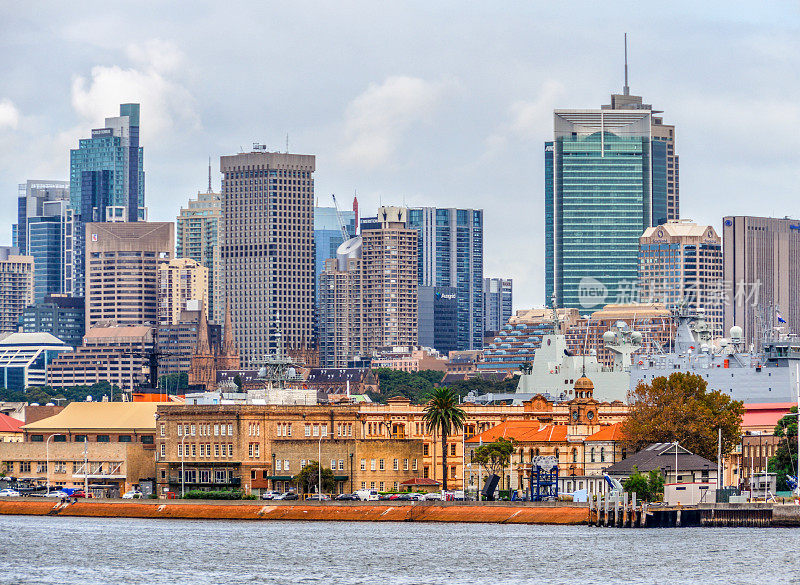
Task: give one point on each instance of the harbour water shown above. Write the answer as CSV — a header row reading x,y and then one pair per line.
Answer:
x,y
86,551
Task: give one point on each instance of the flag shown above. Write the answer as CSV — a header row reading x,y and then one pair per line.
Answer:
x,y
780,318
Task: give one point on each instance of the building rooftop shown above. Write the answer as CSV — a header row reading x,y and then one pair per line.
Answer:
x,y
9,425
607,433
523,431
34,339
118,331
107,416
682,228
420,481
658,456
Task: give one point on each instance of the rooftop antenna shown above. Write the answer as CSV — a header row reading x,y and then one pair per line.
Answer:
x,y
209,174
626,90
287,143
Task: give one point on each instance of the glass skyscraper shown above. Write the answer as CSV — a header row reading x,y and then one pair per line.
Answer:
x,y
328,237
450,254
107,179
605,183
44,230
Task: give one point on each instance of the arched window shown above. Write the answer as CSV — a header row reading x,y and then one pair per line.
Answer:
x,y
521,453
557,453
537,452
602,454
592,455
624,452
574,455
531,453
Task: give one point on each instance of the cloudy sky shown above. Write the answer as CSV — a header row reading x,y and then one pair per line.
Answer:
x,y
443,104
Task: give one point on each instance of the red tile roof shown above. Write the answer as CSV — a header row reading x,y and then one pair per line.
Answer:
x,y
10,425
525,431
607,433
765,415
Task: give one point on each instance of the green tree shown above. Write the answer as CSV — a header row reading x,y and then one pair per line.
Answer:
x,y
237,379
784,462
443,413
648,487
495,456
680,408
308,478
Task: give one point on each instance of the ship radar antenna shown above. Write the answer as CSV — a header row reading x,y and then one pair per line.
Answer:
x,y
626,90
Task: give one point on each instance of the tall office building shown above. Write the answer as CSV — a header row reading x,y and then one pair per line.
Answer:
x,y
497,302
44,230
122,262
608,177
16,287
438,317
268,249
107,179
60,316
680,264
328,236
761,272
198,237
450,249
179,281
368,294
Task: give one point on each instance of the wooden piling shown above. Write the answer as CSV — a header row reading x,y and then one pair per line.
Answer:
x,y
625,510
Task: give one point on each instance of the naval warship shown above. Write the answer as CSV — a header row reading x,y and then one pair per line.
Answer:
x,y
767,375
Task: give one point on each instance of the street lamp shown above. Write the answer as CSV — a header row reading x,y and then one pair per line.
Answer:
x,y
319,463
183,455
47,457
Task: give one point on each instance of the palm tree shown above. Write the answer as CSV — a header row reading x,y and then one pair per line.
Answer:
x,y
442,413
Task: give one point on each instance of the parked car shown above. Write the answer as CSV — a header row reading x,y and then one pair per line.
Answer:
x,y
9,493
287,496
347,497
57,494
133,494
416,497
367,495
434,496
80,494
270,495
319,497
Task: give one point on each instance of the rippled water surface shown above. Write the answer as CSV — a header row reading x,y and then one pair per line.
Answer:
x,y
112,551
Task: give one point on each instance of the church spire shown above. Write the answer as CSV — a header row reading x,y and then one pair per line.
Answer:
x,y
228,344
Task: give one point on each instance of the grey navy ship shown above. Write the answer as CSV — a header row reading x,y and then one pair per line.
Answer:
x,y
765,376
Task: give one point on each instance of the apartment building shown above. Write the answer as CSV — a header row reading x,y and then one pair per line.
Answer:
x,y
180,281
16,287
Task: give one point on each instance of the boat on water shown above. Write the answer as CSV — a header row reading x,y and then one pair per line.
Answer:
x,y
768,375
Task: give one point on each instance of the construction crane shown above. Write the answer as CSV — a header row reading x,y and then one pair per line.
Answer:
x,y
345,234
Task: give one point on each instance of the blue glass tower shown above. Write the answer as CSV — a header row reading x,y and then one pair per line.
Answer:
x,y
605,183
328,237
107,179
451,255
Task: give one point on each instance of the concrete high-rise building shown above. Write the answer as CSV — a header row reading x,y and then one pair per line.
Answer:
x,y
268,250
179,281
16,287
44,230
450,253
107,179
122,262
177,342
198,237
368,295
761,274
497,303
608,177
680,264
59,315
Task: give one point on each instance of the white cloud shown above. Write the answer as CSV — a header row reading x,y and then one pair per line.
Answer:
x,y
166,104
9,114
377,120
528,119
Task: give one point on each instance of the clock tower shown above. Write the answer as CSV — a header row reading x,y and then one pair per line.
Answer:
x,y
583,408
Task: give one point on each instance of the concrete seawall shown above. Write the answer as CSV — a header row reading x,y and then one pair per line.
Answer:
x,y
348,512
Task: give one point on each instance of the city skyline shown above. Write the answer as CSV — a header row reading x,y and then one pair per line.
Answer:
x,y
393,127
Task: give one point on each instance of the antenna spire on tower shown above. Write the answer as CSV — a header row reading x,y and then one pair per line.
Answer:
x,y
626,90
209,174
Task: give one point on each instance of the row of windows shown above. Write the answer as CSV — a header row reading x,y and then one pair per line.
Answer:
x,y
380,464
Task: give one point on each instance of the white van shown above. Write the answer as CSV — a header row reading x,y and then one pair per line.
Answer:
x,y
367,495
